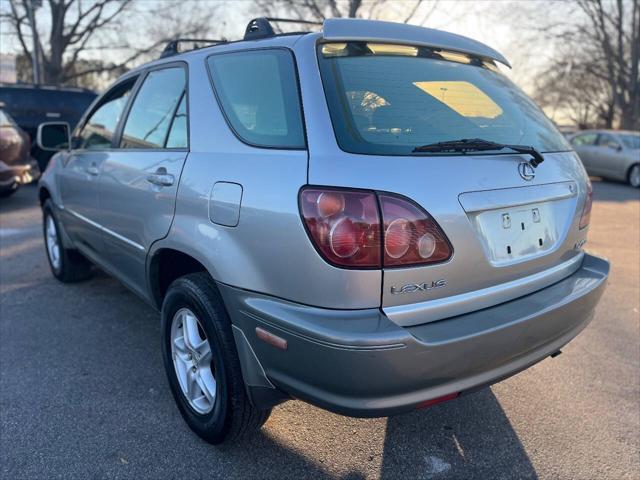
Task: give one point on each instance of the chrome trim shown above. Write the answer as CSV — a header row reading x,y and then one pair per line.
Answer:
x,y
104,229
432,310
513,197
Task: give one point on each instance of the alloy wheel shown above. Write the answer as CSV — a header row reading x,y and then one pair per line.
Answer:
x,y
634,176
53,245
193,361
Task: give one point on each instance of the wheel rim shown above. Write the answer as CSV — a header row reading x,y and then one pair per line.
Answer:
x,y
193,361
53,246
634,176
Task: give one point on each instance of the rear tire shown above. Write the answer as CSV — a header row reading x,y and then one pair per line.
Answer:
x,y
217,410
633,177
66,265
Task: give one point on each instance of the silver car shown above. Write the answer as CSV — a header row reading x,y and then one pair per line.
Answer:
x,y
613,154
370,218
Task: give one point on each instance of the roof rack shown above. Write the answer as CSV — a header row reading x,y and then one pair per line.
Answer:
x,y
261,27
172,47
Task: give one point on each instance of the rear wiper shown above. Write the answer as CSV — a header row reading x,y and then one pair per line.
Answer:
x,y
477,145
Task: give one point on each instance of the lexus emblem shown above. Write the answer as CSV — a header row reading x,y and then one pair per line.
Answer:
x,y
526,171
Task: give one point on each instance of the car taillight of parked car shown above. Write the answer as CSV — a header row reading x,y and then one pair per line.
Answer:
x,y
361,229
586,210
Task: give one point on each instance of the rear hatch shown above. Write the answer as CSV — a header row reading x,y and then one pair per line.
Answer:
x,y
513,229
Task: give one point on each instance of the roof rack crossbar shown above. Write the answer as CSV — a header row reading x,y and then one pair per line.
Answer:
x,y
172,47
261,27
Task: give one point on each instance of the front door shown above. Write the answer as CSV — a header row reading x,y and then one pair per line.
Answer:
x,y
139,180
83,166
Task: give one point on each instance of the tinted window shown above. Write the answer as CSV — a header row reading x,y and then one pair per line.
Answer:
x,y
389,99
259,95
153,109
178,132
608,141
630,141
584,139
31,106
99,129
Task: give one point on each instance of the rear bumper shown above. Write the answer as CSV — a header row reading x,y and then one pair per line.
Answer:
x,y
359,363
12,175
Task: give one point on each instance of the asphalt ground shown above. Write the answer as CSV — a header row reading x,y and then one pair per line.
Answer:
x,y
83,393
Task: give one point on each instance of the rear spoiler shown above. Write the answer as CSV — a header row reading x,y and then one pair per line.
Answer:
x,y
351,29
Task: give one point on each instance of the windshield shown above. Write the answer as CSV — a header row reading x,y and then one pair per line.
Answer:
x,y
630,141
389,99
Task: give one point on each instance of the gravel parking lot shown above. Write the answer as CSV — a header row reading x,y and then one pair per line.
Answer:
x,y
83,392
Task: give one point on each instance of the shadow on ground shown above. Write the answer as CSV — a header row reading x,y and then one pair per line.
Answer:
x,y
88,399
88,428
470,437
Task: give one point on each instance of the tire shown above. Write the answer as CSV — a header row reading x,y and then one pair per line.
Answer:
x,y
633,177
67,265
224,413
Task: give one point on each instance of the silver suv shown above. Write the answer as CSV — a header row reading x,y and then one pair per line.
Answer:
x,y
370,218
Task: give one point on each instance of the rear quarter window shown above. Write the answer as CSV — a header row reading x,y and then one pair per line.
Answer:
x,y
258,93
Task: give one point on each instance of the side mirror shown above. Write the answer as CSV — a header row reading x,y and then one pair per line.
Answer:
x,y
54,136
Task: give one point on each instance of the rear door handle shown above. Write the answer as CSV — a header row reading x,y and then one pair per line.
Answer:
x,y
93,170
161,178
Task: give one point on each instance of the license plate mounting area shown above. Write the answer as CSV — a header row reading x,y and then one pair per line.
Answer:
x,y
511,234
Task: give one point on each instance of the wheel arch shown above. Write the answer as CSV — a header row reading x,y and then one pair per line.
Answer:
x,y
43,195
166,265
628,172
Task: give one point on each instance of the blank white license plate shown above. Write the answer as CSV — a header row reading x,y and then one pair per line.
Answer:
x,y
511,234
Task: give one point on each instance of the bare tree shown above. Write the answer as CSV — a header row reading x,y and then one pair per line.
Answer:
x,y
409,11
594,75
81,30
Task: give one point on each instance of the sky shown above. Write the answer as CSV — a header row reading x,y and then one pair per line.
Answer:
x,y
476,19
495,23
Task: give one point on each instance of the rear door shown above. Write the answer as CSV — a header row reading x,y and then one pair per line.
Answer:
x,y
82,168
585,146
139,181
609,157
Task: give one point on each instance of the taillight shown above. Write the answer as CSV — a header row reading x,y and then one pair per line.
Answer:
x,y
346,227
588,203
411,236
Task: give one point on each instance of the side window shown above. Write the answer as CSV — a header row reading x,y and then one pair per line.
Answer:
x,y
153,109
608,141
100,128
258,93
178,132
585,139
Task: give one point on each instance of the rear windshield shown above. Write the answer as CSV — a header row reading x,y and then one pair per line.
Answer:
x,y
389,99
31,106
